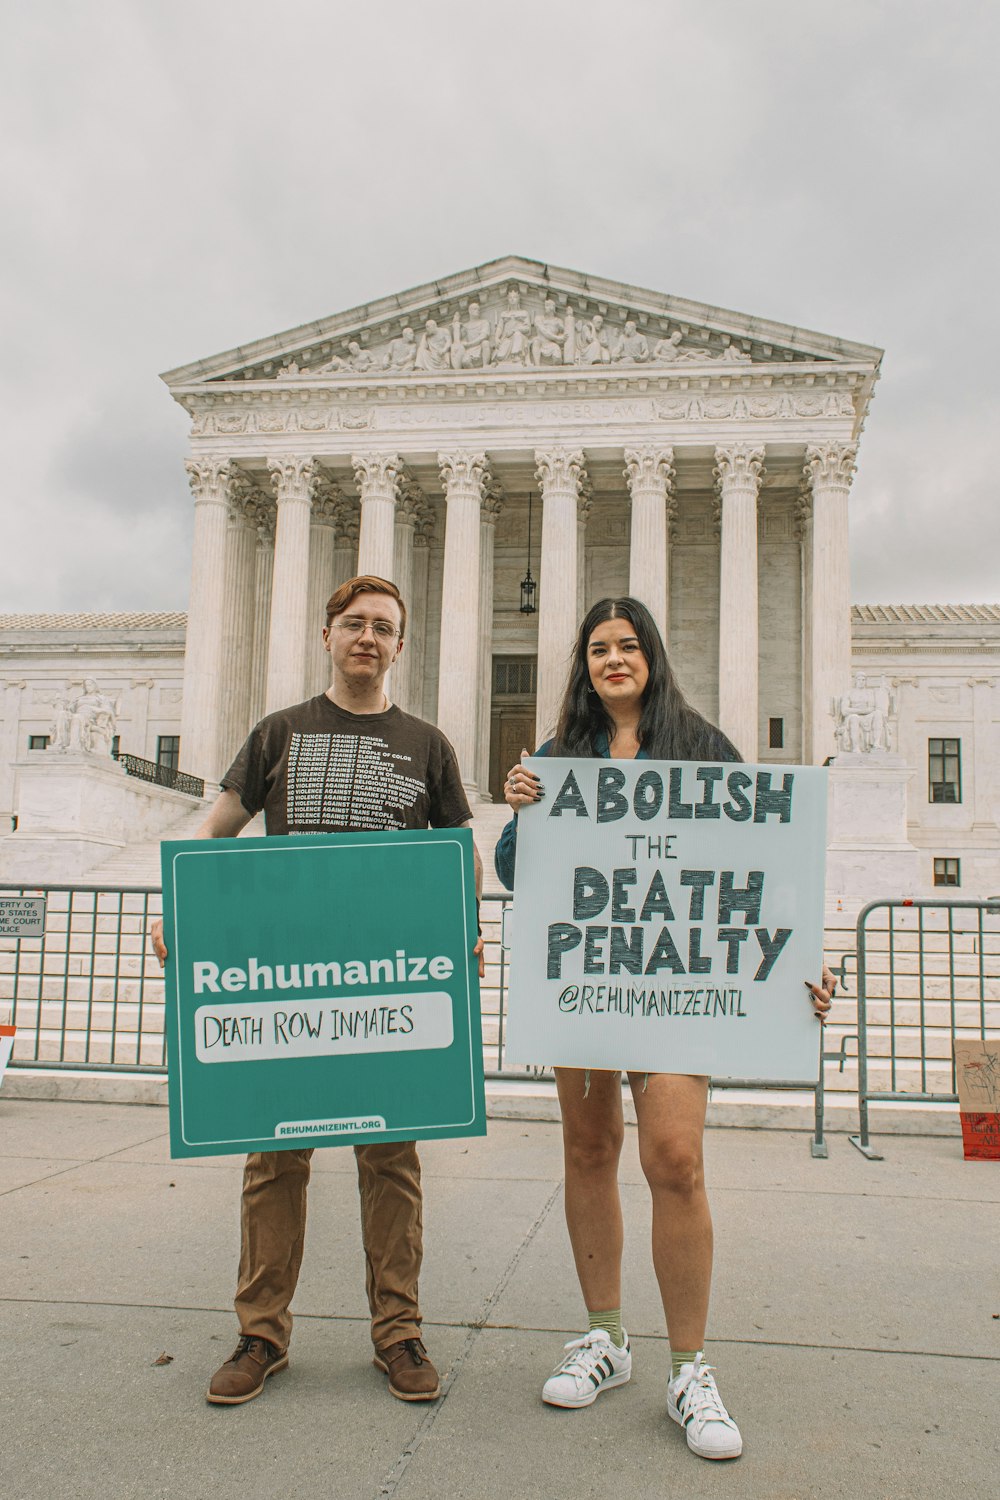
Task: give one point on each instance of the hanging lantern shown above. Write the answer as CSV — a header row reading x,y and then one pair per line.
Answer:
x,y
528,584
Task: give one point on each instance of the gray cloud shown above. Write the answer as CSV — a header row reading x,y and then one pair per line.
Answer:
x,y
180,178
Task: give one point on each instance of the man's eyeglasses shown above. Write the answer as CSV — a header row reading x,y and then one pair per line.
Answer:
x,y
352,626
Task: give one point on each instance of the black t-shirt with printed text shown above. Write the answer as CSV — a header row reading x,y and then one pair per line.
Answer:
x,y
316,768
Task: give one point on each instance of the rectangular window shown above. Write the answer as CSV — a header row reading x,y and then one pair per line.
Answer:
x,y
38,741
515,676
116,745
168,751
776,734
947,872
944,770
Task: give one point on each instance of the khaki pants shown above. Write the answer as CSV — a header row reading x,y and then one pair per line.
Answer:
x,y
273,1223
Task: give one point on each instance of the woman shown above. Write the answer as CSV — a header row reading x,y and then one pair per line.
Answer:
x,y
622,702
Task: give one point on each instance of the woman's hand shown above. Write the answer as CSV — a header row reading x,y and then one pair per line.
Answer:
x,y
822,994
522,787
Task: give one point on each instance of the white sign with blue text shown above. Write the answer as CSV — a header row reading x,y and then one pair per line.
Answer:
x,y
667,916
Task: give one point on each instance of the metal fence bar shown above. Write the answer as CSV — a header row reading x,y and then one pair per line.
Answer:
x,y
944,942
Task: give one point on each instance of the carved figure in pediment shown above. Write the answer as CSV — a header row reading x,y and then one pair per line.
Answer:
x,y
631,347
513,332
434,348
665,351
472,345
733,355
593,345
288,371
357,362
552,335
402,353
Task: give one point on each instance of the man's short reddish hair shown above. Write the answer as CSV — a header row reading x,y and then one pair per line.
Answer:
x,y
341,600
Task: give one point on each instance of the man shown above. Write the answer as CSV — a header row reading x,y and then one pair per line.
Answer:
x,y
347,760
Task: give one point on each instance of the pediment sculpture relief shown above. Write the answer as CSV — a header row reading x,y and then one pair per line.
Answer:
x,y
511,335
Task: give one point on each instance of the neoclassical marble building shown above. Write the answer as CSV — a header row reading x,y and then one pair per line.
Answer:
x,y
697,458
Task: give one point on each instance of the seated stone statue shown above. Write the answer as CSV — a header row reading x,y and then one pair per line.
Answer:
x,y
87,723
863,717
548,344
434,348
631,346
593,346
472,347
511,344
402,353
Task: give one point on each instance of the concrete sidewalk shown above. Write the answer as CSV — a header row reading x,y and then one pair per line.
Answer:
x,y
855,1325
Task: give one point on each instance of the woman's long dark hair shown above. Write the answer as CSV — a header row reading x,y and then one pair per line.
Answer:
x,y
669,728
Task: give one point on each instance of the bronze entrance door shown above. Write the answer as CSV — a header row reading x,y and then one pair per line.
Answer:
x,y
512,718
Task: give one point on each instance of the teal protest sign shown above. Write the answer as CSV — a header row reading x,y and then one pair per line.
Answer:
x,y
666,917
321,990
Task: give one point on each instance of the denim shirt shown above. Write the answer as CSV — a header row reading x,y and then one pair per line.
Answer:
x,y
505,853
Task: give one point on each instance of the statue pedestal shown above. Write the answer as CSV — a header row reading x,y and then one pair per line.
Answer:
x,y
869,856
74,810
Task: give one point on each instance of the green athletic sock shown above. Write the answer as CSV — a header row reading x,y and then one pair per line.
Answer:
x,y
611,1322
680,1357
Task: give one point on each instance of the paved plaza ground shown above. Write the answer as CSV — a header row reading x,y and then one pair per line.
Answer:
x,y
855,1325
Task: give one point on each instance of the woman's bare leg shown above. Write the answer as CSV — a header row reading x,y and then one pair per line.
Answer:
x,y
593,1132
670,1112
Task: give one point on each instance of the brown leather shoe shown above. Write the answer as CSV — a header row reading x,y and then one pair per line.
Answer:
x,y
242,1377
412,1377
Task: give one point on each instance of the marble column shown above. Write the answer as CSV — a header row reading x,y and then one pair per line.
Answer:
x,y
200,753
292,480
584,506
559,473
650,473
739,469
493,501
377,475
326,502
10,748
984,775
345,551
263,576
416,625
407,511
829,469
133,742
238,617
463,475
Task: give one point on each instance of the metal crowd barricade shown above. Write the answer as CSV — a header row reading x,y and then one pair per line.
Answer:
x,y
496,994
87,993
928,974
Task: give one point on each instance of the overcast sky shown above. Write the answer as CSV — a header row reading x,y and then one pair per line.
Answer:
x,y
182,176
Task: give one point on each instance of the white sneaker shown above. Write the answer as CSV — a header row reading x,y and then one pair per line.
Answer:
x,y
590,1366
693,1400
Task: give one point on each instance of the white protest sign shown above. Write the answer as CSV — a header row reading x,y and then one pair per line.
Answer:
x,y
667,918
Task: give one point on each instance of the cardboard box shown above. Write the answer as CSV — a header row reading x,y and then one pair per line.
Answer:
x,y
977,1073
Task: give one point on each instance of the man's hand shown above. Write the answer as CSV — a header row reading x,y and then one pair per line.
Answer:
x,y
156,937
227,817
480,952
